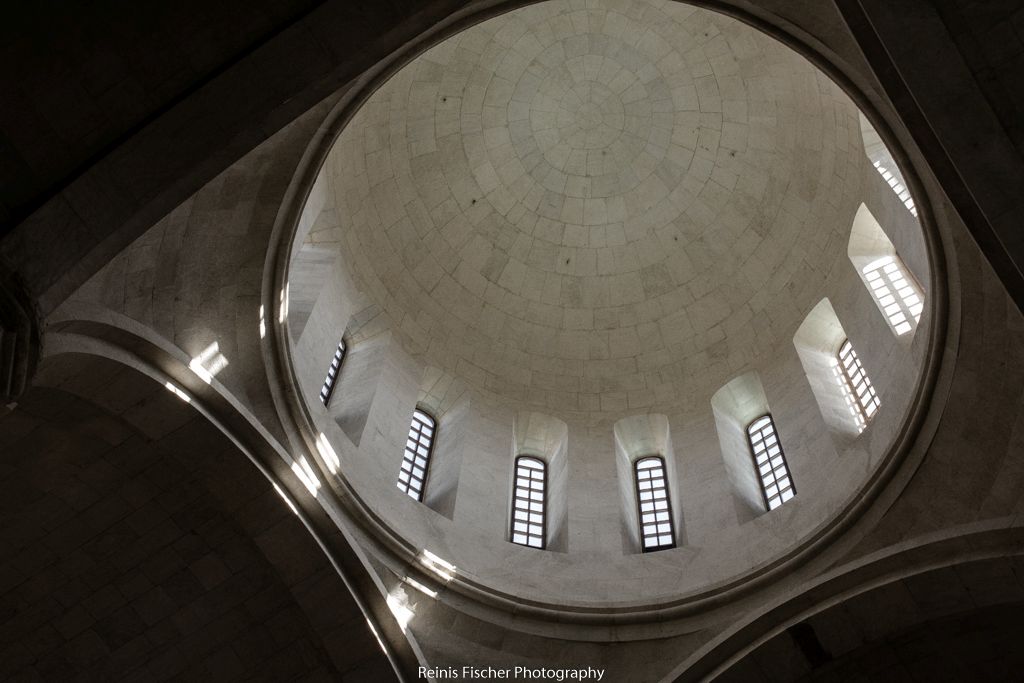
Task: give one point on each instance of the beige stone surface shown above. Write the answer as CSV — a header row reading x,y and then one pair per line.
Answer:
x,y
576,204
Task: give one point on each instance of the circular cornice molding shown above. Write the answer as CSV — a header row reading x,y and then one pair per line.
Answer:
x,y
901,459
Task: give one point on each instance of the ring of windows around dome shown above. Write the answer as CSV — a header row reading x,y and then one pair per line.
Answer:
x,y
464,347
749,437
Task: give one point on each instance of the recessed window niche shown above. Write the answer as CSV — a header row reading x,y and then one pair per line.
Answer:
x,y
736,406
893,288
446,399
637,437
818,342
547,439
365,362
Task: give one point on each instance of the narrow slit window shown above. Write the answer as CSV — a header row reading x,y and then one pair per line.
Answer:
x,y
883,162
776,482
896,183
416,459
897,294
332,374
529,524
857,390
653,506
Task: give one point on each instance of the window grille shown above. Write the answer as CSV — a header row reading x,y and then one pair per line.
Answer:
x,y
529,497
896,293
776,483
332,374
857,390
653,506
416,459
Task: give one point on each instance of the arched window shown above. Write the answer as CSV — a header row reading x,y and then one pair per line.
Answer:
x,y
894,289
416,459
776,482
528,502
895,292
653,505
857,390
332,373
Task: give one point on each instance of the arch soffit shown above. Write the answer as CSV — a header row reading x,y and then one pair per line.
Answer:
x,y
975,543
93,331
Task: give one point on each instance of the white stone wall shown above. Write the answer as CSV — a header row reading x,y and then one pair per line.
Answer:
x,y
614,309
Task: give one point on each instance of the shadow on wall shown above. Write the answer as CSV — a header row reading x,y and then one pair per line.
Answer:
x,y
935,627
735,406
360,378
136,535
448,402
818,341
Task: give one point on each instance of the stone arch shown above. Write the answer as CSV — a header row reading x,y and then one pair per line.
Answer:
x,y
141,530
959,575
146,383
